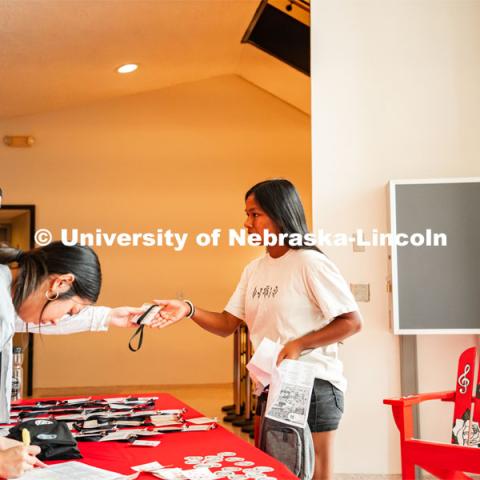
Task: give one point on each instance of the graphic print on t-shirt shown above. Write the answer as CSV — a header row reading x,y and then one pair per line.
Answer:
x,y
265,292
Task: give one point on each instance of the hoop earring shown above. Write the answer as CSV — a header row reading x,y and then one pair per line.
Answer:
x,y
51,299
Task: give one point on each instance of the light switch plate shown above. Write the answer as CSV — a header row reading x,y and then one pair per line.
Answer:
x,y
356,247
361,291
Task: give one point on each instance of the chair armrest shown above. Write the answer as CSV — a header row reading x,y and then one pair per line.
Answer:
x,y
403,412
421,397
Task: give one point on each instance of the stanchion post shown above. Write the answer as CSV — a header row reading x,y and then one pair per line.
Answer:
x,y
248,382
237,394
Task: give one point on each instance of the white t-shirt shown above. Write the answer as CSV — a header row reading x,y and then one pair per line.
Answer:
x,y
291,296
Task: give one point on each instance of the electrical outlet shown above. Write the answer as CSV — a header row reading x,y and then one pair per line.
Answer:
x,y
361,291
356,247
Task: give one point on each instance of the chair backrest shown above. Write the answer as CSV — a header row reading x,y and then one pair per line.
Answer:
x,y
466,416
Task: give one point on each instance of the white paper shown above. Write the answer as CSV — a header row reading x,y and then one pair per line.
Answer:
x,y
165,417
200,428
146,443
174,411
142,413
108,414
119,406
91,424
172,423
148,467
116,436
199,474
202,420
263,362
128,423
290,392
170,474
146,433
75,401
116,400
73,471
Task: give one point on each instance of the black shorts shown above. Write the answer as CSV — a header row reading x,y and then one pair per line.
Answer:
x,y
326,407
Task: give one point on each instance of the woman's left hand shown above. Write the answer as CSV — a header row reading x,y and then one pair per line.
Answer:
x,y
292,350
124,316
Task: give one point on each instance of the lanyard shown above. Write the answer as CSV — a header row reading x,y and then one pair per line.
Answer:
x,y
139,332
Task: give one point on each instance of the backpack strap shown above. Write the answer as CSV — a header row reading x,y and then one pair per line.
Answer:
x,y
260,415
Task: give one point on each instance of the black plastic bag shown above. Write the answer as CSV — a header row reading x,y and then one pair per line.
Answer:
x,y
52,436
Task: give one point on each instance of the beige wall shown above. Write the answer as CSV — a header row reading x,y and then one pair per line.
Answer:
x,y
179,158
395,94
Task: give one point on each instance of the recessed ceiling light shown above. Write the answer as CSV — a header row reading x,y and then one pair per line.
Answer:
x,y
127,68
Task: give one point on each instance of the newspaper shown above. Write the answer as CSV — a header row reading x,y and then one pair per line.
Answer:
x,y
290,392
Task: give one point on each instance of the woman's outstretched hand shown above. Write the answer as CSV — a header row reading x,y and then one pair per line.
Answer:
x,y
171,311
124,316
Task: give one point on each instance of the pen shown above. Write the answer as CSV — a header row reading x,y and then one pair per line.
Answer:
x,y
26,437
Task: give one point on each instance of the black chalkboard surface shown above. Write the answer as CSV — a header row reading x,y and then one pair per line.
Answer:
x,y
436,289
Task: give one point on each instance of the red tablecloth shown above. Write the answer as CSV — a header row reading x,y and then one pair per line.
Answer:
x,y
119,457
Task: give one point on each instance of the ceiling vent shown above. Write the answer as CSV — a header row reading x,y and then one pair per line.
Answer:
x,y
282,29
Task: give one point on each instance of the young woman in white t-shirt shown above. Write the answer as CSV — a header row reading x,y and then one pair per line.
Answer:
x,y
295,294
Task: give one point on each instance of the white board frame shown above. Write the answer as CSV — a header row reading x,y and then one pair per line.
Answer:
x,y
394,257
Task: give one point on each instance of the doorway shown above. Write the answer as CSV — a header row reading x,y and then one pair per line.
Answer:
x,y
17,230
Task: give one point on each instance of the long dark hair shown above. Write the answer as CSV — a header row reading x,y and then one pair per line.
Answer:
x,y
56,258
279,199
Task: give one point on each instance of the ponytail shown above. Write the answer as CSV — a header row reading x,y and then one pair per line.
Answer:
x,y
9,255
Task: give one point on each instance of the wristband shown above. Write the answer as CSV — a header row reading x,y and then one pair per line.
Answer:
x,y
192,308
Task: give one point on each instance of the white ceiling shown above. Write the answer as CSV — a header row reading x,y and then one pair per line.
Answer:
x,y
60,53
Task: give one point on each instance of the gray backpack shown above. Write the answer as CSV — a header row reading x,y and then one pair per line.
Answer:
x,y
293,446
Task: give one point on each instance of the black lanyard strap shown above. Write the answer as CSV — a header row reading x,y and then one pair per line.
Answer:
x,y
139,332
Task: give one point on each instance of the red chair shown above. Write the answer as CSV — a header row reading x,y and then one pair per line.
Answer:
x,y
442,460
